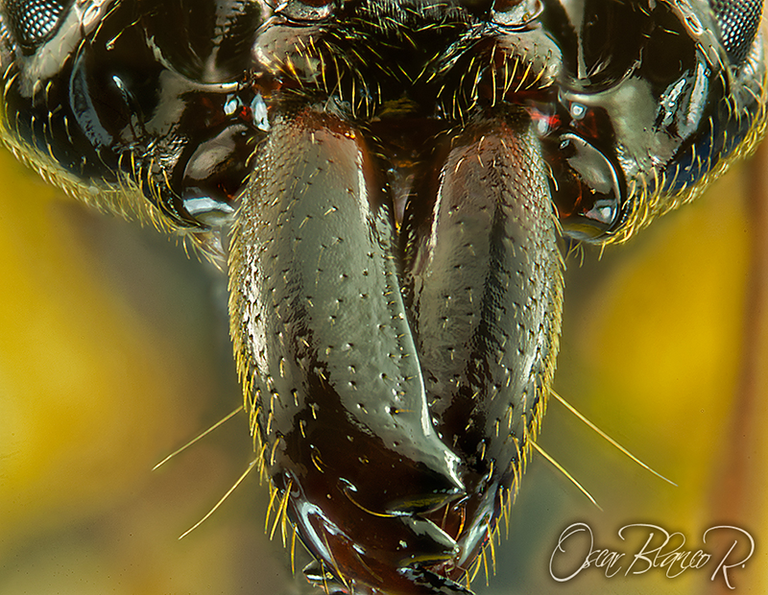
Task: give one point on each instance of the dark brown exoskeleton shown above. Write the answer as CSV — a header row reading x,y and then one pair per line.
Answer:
x,y
399,178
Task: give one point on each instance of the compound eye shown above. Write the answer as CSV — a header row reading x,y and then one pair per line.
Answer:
x,y
516,14
33,22
738,22
587,189
307,11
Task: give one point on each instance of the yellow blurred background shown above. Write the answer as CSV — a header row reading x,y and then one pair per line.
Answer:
x,y
114,351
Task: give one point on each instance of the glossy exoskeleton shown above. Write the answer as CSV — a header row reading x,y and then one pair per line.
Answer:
x,y
399,179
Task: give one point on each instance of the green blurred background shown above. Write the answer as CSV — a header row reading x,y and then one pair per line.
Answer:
x,y
114,351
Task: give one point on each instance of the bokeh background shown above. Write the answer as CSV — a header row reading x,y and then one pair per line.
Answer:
x,y
114,352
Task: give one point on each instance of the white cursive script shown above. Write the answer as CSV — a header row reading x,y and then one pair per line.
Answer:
x,y
576,551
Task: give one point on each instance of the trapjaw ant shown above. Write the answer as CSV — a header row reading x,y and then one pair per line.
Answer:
x,y
400,179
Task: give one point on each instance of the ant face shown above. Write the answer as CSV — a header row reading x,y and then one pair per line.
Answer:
x,y
392,188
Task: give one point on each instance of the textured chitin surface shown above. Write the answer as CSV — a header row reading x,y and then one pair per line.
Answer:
x,y
396,384
484,284
393,182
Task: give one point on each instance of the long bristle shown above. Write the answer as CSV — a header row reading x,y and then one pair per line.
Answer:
x,y
199,437
562,470
221,500
613,442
